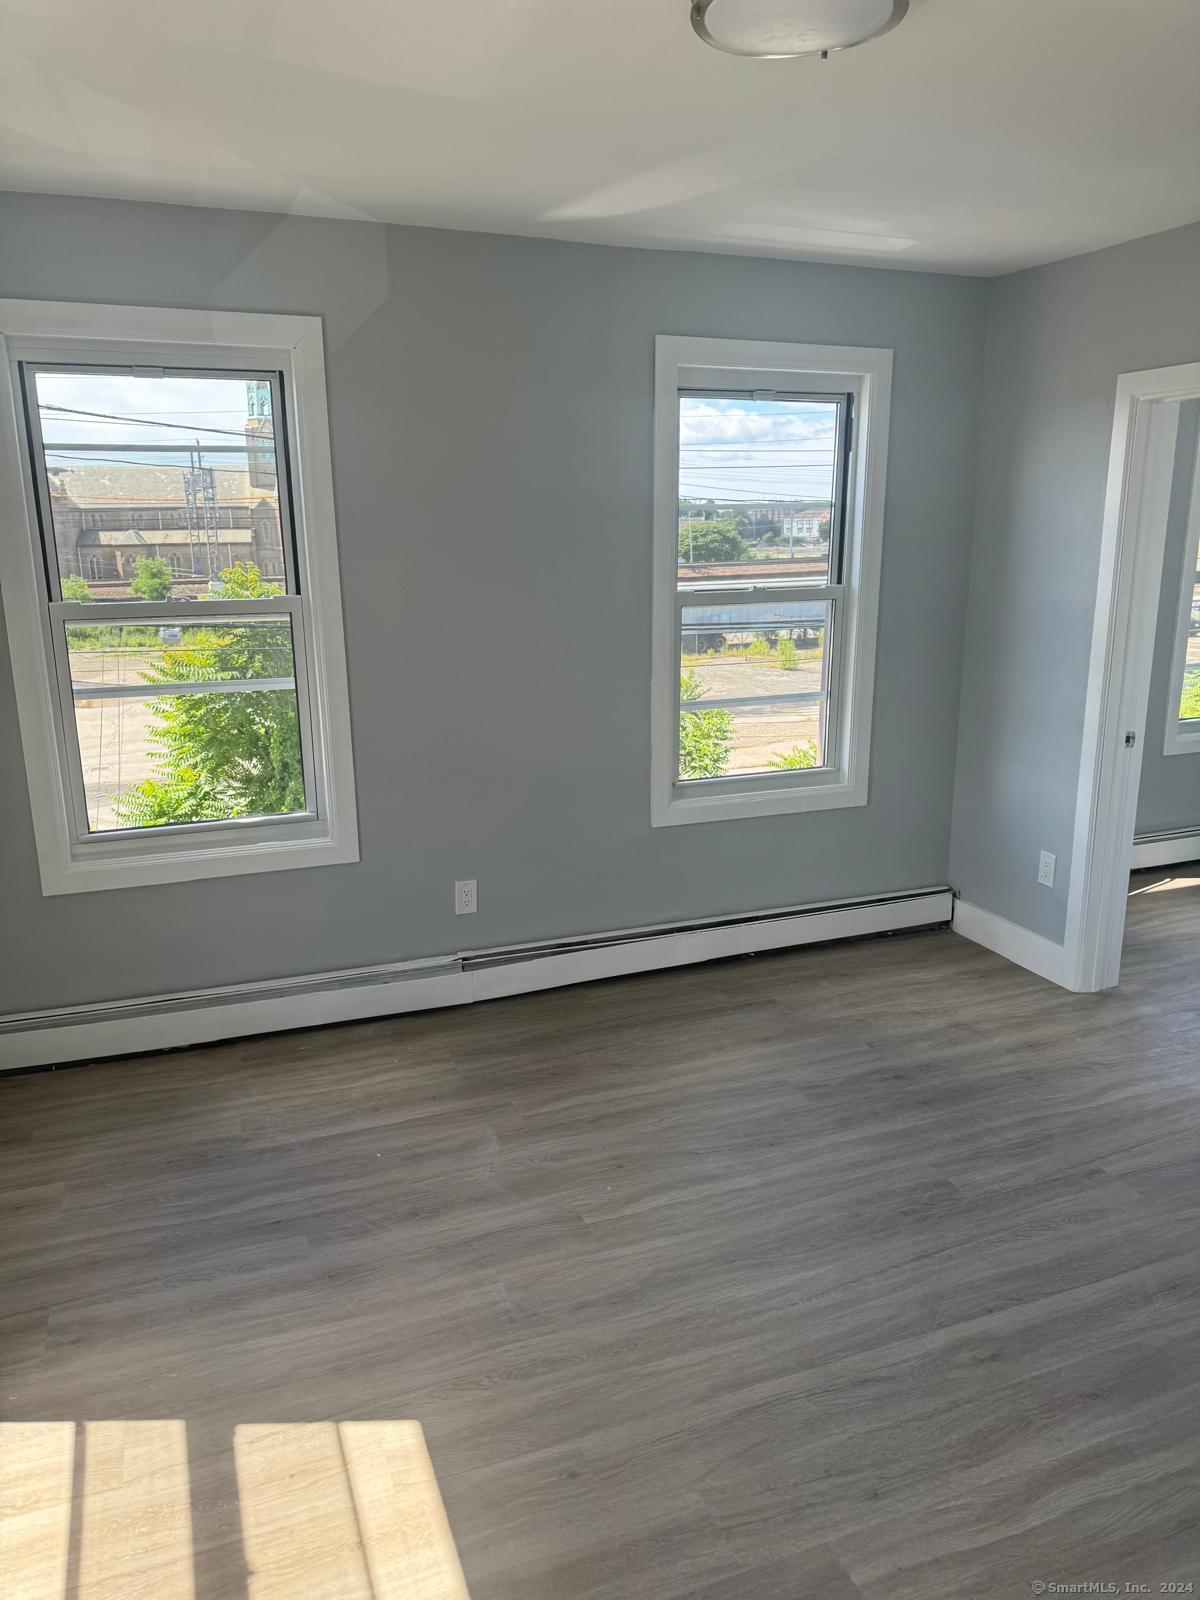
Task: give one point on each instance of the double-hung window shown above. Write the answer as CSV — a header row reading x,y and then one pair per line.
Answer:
x,y
171,586
769,473
1183,707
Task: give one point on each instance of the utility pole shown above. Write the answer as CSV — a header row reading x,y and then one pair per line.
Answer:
x,y
201,495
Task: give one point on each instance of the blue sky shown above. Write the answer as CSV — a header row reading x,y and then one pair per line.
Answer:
x,y
177,412
730,449
756,450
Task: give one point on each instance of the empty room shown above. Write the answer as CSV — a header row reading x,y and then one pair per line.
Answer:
x,y
600,778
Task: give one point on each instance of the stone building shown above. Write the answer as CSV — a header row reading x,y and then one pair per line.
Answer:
x,y
105,516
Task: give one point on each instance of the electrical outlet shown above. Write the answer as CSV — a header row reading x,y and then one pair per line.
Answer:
x,y
1046,866
466,897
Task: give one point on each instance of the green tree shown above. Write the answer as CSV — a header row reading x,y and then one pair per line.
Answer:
x,y
152,578
75,588
702,540
705,736
235,754
1189,700
800,755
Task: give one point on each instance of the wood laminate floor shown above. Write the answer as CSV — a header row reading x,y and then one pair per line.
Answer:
x,y
866,1271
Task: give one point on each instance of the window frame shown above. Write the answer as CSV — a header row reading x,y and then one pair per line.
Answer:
x,y
688,365
290,350
1182,735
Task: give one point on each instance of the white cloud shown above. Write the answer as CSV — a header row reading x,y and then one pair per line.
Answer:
x,y
756,449
177,409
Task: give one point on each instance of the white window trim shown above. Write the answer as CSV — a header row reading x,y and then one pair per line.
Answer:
x,y
1183,738
294,345
867,373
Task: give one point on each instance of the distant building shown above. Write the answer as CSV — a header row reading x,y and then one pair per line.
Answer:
x,y
809,527
260,435
200,519
105,517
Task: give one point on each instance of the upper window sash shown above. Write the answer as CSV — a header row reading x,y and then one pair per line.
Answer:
x,y
29,368
844,436
759,572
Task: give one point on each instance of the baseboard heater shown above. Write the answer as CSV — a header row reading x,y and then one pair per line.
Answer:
x,y
205,1016
1166,849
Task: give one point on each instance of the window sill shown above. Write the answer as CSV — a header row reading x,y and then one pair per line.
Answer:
x,y
676,807
1181,740
90,868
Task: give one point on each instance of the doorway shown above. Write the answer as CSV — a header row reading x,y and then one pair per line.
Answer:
x,y
1141,478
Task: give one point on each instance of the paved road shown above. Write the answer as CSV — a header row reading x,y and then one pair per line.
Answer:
x,y
760,732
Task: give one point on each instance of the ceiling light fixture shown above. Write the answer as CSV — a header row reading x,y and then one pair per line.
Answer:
x,y
774,29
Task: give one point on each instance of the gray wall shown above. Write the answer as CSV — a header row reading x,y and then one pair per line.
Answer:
x,y
1169,796
1058,337
491,419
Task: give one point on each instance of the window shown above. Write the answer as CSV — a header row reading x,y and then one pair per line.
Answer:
x,y
1183,710
182,692
769,469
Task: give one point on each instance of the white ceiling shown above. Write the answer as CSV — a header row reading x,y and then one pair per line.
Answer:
x,y
978,136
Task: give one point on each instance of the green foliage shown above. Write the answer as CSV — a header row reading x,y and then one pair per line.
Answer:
x,y
705,737
243,581
110,636
222,755
152,578
703,540
1189,700
787,655
105,636
800,755
759,648
81,636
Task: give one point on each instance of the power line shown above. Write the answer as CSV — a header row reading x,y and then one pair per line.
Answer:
x,y
116,461
174,411
771,493
147,422
752,446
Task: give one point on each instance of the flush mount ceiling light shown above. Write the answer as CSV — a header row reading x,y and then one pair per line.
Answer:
x,y
772,29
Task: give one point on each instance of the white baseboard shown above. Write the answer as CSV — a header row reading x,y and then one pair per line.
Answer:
x,y
166,1022
1165,850
1014,943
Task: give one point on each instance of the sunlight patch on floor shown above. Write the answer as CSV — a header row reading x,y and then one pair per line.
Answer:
x,y
370,1520
327,1510
1171,878
37,1465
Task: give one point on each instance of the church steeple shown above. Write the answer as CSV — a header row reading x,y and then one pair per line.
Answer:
x,y
260,426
